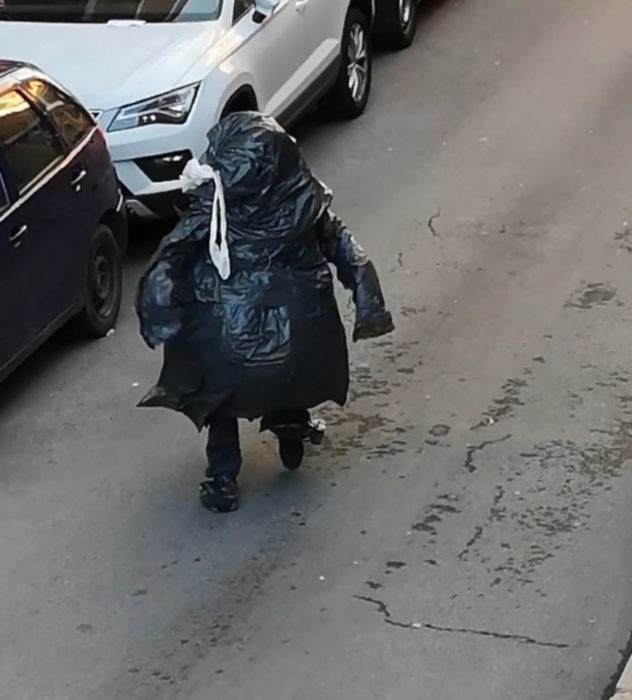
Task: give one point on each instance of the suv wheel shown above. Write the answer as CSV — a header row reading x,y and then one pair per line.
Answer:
x,y
349,96
401,23
103,285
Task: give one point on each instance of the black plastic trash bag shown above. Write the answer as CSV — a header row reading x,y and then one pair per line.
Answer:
x,y
260,330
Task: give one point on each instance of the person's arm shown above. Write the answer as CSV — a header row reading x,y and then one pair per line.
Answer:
x,y
164,289
357,274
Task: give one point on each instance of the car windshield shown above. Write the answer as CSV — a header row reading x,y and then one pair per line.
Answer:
x,y
100,11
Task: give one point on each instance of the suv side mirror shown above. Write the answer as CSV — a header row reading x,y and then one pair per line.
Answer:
x,y
264,9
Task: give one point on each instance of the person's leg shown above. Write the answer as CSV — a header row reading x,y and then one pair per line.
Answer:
x,y
289,416
219,493
293,427
222,449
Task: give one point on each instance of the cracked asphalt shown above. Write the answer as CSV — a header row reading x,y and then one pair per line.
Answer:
x,y
520,638
465,531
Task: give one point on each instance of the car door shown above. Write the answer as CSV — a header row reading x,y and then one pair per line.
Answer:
x,y
82,180
14,276
38,234
273,52
321,26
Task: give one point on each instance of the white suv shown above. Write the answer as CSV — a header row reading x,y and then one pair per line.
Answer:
x,y
157,74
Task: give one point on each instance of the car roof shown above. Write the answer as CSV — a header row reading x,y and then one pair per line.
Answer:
x,y
7,66
12,72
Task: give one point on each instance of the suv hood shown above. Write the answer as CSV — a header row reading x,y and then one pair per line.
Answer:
x,y
108,65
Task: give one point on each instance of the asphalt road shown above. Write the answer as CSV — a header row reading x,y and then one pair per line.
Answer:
x,y
466,530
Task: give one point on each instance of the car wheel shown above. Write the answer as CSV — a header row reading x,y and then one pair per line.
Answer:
x,y
401,23
349,96
103,285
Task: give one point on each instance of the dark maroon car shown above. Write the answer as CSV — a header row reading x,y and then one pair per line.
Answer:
x,y
62,225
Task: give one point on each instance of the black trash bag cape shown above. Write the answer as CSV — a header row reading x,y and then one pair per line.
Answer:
x,y
269,336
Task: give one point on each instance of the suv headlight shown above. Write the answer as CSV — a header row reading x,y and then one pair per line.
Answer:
x,y
170,108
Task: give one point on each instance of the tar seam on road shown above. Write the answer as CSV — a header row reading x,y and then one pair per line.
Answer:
x,y
478,532
473,449
431,221
519,638
480,529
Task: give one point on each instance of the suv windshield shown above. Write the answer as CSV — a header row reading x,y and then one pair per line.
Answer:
x,y
110,10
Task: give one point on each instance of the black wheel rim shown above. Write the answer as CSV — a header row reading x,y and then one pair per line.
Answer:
x,y
103,281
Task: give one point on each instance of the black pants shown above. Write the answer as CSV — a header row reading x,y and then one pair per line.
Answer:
x,y
223,450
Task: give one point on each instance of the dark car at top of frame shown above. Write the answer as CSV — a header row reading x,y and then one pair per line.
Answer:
x,y
396,22
62,224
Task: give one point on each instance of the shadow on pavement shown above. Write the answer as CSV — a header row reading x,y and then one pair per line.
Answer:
x,y
35,368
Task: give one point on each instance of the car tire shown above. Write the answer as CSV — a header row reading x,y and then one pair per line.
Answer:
x,y
104,275
349,96
402,23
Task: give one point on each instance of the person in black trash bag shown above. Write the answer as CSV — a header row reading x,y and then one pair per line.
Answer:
x,y
241,295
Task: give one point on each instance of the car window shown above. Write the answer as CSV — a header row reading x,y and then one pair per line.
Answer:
x,y
4,197
29,145
70,120
241,7
110,10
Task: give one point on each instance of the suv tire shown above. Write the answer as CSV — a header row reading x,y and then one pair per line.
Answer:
x,y
401,22
349,96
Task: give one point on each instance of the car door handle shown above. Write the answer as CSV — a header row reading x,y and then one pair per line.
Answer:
x,y
78,179
16,237
301,5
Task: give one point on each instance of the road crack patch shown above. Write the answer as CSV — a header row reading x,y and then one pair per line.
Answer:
x,y
478,533
495,512
431,221
505,406
591,295
473,449
384,610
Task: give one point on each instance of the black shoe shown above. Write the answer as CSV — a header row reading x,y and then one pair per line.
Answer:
x,y
220,494
292,438
291,452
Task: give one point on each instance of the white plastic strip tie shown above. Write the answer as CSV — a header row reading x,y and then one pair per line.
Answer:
x,y
193,176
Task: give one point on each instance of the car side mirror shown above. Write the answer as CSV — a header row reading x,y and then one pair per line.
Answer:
x,y
264,9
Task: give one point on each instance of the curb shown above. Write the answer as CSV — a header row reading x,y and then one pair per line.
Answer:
x,y
624,685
